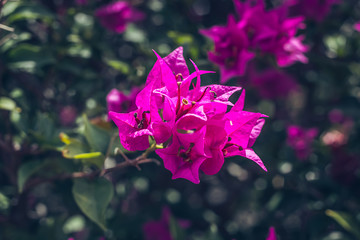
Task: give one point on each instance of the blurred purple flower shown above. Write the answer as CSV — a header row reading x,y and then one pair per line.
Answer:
x,y
336,116
257,31
357,26
68,115
119,102
272,234
272,84
160,230
231,49
115,16
311,9
115,100
301,140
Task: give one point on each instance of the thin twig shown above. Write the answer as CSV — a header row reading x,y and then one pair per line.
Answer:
x,y
10,29
127,163
134,163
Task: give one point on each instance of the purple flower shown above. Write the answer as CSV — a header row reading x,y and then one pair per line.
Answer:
x,y
242,129
115,100
231,49
134,129
272,234
115,16
301,140
160,230
357,26
119,102
273,84
257,31
191,123
68,115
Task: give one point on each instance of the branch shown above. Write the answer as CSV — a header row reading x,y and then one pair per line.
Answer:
x,y
10,29
127,163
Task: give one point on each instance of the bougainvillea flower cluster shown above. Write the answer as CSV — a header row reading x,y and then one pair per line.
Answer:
x,y
192,123
301,140
257,31
115,16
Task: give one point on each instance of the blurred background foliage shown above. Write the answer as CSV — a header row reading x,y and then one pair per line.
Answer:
x,y
57,64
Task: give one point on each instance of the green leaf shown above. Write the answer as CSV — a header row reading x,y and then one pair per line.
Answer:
x,y
88,155
213,233
74,224
79,51
29,52
134,34
30,11
346,221
180,38
26,170
9,8
118,65
44,131
176,231
45,126
8,104
97,138
28,57
73,146
274,201
4,202
14,40
94,158
93,197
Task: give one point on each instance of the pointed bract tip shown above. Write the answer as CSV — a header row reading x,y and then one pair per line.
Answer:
x,y
157,55
196,68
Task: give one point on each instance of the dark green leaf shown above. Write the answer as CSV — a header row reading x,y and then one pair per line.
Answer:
x,y
9,8
26,170
79,51
8,104
73,146
4,202
118,65
93,197
213,233
346,221
176,231
30,12
97,138
29,57
14,40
